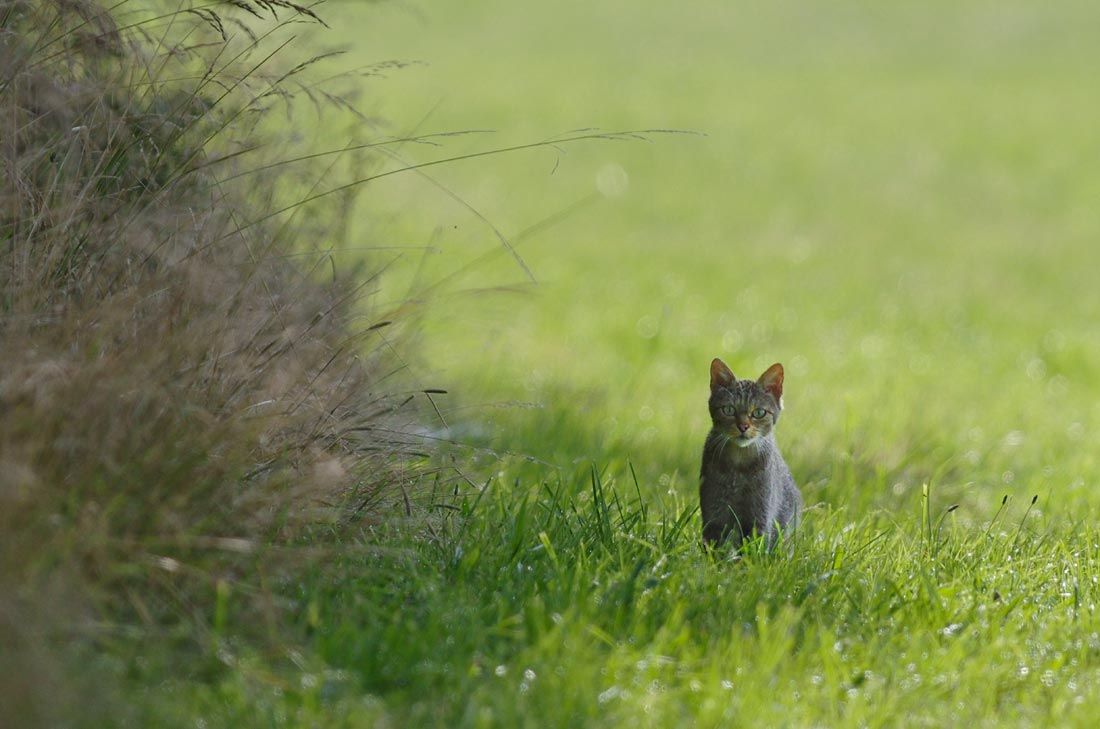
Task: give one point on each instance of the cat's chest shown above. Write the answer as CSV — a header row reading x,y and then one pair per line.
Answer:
x,y
737,468
724,454
737,475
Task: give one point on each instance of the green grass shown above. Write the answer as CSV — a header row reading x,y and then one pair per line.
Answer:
x,y
585,603
619,626
894,202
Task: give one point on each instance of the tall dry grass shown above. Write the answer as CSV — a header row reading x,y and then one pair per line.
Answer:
x,y
182,390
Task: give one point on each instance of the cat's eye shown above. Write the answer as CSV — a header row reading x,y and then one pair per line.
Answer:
x,y
759,413
727,410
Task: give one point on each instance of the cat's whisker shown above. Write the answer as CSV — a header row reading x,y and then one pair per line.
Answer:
x,y
725,442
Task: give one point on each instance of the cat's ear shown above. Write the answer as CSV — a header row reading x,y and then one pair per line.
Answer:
x,y
720,374
772,381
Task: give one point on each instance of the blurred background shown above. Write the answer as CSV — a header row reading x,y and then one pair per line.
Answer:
x,y
896,201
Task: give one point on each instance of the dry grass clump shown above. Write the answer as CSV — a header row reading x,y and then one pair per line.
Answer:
x,y
177,391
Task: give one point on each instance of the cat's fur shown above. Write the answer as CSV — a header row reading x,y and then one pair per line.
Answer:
x,y
745,486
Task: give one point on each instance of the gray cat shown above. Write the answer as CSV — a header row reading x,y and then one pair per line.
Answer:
x,y
745,487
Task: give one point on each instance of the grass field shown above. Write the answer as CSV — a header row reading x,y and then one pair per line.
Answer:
x,y
897,202
894,201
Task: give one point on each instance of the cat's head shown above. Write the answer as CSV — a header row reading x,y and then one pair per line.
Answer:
x,y
743,409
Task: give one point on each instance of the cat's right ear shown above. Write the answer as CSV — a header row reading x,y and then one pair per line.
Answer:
x,y
772,381
720,374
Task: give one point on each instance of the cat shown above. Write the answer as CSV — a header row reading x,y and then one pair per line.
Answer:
x,y
745,486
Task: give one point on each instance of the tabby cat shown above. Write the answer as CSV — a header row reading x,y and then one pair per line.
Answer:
x,y
745,487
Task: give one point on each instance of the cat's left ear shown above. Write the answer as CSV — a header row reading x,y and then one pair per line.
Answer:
x,y
772,381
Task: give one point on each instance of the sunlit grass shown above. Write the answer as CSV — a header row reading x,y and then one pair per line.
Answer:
x,y
897,211
581,602
893,202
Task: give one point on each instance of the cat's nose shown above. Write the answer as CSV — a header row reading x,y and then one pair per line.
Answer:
x,y
742,426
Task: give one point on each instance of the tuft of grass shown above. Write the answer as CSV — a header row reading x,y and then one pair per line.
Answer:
x,y
568,603
183,397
